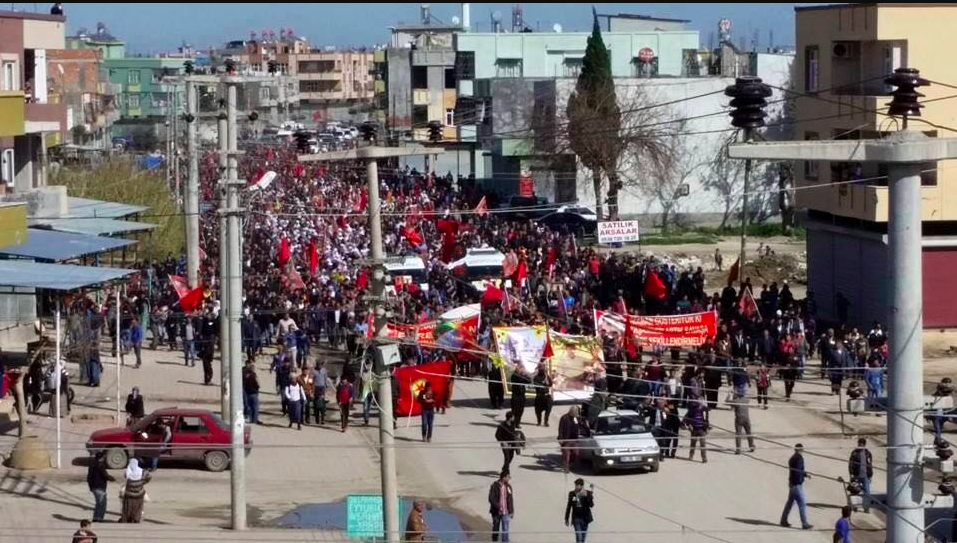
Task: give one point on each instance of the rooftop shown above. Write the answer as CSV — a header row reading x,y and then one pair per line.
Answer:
x,y
52,246
29,15
26,274
92,227
877,4
85,207
643,17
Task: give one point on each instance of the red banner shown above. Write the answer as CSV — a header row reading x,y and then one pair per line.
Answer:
x,y
526,185
423,334
660,330
412,381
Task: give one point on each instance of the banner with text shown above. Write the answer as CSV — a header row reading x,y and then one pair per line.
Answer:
x,y
617,231
689,330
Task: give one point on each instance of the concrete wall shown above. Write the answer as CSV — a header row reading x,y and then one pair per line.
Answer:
x,y
543,54
399,90
43,34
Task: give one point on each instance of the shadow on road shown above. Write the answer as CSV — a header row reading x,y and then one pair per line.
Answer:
x,y
753,521
488,473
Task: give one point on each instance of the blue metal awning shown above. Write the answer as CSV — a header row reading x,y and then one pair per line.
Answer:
x,y
25,274
92,227
85,207
52,246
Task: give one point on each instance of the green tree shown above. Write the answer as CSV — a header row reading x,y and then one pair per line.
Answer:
x,y
594,120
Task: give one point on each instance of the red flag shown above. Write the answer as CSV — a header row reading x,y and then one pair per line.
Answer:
x,y
413,237
734,271
412,379
448,228
285,253
747,305
362,280
370,325
627,341
482,208
654,287
188,299
521,274
298,169
313,257
179,285
550,261
492,295
547,352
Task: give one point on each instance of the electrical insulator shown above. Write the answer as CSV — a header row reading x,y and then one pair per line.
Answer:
x,y
748,102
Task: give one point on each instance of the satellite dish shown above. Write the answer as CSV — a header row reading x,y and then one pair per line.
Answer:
x,y
456,21
263,182
557,28
497,16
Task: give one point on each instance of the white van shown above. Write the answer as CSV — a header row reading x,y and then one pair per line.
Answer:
x,y
481,266
410,270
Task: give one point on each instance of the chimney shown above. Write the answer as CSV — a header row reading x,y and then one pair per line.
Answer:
x,y
466,16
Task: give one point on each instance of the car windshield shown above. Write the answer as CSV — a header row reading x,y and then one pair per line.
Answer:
x,y
218,420
476,273
616,425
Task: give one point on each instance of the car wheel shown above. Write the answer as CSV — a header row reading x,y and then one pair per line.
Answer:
x,y
654,468
216,460
116,458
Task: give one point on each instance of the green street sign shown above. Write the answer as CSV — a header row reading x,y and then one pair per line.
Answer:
x,y
365,517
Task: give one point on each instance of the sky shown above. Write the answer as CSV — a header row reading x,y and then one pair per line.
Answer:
x,y
155,27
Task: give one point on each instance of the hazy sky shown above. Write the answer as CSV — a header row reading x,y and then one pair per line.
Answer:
x,y
151,27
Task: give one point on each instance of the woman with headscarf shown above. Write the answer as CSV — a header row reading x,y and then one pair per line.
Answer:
x,y
134,492
295,398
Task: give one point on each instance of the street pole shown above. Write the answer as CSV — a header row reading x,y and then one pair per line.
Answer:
x,y
58,375
905,395
223,271
390,486
233,314
192,189
119,356
748,137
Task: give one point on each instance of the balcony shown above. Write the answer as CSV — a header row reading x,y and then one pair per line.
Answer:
x,y
44,117
12,113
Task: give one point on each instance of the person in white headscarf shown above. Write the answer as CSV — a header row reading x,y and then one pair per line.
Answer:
x,y
134,492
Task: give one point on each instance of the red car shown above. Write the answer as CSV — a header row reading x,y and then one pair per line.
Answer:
x,y
197,434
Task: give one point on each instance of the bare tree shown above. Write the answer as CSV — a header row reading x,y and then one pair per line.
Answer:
x,y
658,167
726,177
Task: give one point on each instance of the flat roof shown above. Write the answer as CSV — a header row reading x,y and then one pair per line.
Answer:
x,y
34,16
93,227
25,274
876,4
53,246
86,207
642,17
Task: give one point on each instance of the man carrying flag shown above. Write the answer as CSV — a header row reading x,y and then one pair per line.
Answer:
x,y
189,300
482,208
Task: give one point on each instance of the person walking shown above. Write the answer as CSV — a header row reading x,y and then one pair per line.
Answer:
x,y
519,384
251,393
762,381
367,391
543,395
427,401
134,492
320,379
569,430
135,410
501,506
308,383
206,352
97,478
136,340
842,528
742,423
496,388
344,395
789,373
860,467
295,397
578,509
509,438
189,341
796,477
415,526
696,421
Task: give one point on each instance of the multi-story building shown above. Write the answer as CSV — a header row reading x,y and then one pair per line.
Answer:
x,y
79,79
109,46
146,99
31,119
845,52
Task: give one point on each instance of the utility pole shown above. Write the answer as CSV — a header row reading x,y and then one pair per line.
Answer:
x,y
224,343
903,152
233,315
370,155
192,188
748,102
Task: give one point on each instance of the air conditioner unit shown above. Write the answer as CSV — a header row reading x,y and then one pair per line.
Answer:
x,y
845,49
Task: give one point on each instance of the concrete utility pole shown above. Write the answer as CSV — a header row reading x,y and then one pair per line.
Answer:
x,y
903,152
390,485
192,188
233,315
224,343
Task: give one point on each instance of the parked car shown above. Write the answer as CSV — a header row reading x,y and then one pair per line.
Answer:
x,y
574,219
197,434
620,440
526,208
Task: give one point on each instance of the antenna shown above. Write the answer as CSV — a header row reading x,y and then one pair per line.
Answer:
x,y
496,21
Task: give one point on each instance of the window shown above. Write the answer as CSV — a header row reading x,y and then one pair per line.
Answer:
x,y
157,76
449,117
508,67
465,64
8,78
192,425
450,78
420,116
812,68
133,77
133,101
7,171
420,77
811,171
572,67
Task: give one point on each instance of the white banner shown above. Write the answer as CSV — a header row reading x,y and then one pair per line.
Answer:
x,y
617,231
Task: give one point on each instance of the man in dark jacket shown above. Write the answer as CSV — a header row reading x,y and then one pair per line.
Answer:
x,y
860,466
251,393
519,384
578,509
796,477
510,438
501,506
96,479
